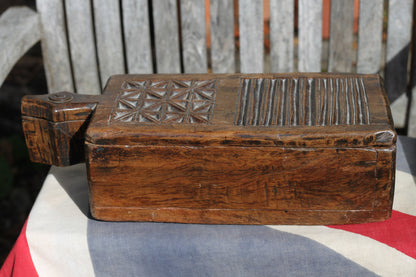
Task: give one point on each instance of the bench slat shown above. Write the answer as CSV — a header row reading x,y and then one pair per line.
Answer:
x,y
310,36
370,35
194,44
397,54
81,40
55,46
165,20
251,36
341,34
281,35
222,36
137,36
109,39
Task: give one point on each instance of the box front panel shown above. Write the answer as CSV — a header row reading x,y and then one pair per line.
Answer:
x,y
232,178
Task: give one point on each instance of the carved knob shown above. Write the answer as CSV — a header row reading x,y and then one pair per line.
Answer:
x,y
61,97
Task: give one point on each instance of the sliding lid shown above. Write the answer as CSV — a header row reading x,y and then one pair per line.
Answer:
x,y
286,110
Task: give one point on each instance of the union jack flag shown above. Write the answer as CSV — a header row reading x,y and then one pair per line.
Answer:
x,y
61,239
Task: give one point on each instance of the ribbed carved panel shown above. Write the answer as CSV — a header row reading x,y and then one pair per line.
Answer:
x,y
302,102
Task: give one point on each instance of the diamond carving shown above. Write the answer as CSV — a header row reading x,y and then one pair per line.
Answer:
x,y
172,101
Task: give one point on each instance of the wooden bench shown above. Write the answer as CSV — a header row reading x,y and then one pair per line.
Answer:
x,y
85,42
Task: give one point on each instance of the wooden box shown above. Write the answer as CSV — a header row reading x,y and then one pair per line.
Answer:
x,y
228,149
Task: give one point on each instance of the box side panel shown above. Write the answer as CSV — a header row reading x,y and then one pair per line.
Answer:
x,y
386,170
191,184
54,143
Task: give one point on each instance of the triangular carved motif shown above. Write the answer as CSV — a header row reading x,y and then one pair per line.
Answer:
x,y
134,94
152,117
201,107
159,84
124,116
154,106
199,118
177,106
134,84
180,95
174,118
124,104
206,85
181,84
173,101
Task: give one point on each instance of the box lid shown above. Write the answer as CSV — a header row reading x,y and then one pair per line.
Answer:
x,y
287,110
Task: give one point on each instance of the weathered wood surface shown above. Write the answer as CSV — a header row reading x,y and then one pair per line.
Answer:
x,y
82,46
192,160
411,131
74,65
310,36
193,107
397,54
340,38
55,50
370,36
109,38
166,36
226,148
19,30
222,36
54,126
198,185
194,45
251,36
411,117
137,36
281,35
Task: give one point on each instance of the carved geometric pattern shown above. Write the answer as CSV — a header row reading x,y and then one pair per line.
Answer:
x,y
171,101
302,102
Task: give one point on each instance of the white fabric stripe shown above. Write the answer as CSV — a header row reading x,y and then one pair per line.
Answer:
x,y
59,222
405,193
369,253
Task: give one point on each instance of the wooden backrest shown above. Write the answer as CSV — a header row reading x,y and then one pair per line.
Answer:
x,y
84,42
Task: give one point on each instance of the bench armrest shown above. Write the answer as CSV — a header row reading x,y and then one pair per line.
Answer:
x,y
19,31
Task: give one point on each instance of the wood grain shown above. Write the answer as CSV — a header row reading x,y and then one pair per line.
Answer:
x,y
250,16
282,18
82,42
55,50
225,148
397,54
310,34
250,185
109,39
55,126
165,19
137,36
194,45
222,36
341,32
370,36
19,31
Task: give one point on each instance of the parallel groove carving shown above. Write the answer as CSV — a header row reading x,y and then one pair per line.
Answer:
x,y
302,102
170,101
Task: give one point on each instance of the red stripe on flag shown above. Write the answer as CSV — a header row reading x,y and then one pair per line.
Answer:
x,y
398,232
19,262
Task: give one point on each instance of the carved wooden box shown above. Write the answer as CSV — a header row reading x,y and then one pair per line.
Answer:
x,y
229,149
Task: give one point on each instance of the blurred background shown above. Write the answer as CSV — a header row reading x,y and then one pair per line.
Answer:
x,y
20,179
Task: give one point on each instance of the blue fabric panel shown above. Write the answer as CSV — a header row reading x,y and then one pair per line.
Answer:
x,y
169,249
